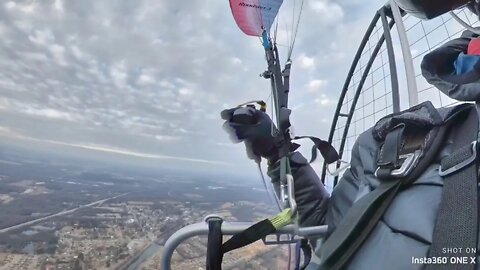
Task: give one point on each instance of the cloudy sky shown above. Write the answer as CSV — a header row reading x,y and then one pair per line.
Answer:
x,y
148,78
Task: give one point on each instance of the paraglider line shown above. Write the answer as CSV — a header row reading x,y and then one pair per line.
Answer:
x,y
295,32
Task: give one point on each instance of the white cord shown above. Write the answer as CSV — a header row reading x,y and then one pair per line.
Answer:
x,y
271,194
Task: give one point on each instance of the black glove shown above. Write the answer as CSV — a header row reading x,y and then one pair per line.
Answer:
x,y
310,194
255,128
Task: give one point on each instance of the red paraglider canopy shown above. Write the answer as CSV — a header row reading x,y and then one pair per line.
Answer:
x,y
255,16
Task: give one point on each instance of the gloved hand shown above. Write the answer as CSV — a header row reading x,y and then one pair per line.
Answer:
x,y
310,194
255,128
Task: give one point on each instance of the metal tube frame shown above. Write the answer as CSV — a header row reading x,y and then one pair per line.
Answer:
x,y
391,59
386,37
407,54
228,228
356,59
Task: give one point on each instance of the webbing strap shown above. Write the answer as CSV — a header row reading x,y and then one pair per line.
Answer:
x,y
327,151
356,226
388,159
258,231
249,236
214,244
457,219
302,245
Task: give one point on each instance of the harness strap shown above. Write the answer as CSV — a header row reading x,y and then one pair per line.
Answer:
x,y
327,151
457,218
356,226
388,159
258,231
302,245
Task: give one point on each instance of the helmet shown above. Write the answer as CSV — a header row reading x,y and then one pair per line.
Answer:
x,y
429,9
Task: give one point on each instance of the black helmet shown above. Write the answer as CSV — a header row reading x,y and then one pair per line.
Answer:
x,y
429,9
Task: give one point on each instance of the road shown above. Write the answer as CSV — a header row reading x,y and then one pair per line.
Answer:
x,y
31,222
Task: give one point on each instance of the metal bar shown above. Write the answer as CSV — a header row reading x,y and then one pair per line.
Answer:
x,y
391,60
358,92
280,95
228,228
276,80
356,59
407,55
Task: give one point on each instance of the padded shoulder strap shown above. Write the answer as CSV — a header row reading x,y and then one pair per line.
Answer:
x,y
457,218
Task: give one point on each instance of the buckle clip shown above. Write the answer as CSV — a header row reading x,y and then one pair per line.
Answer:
x,y
462,164
409,162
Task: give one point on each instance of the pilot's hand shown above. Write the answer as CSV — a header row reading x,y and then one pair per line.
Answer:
x,y
255,128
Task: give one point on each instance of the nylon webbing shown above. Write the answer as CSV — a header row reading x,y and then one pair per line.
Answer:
x,y
388,157
258,231
302,245
327,151
248,236
457,219
356,226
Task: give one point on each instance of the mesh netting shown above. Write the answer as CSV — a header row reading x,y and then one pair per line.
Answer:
x,y
375,99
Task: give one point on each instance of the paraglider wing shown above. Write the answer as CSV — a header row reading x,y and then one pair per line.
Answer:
x,y
254,16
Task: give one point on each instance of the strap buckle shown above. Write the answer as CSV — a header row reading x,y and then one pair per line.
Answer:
x,y
409,162
462,164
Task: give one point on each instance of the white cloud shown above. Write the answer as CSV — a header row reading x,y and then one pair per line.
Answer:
x,y
166,84
326,11
316,85
58,5
34,56
306,62
28,8
186,92
118,74
325,101
10,5
49,113
165,138
42,37
157,41
229,145
58,53
236,61
77,53
147,78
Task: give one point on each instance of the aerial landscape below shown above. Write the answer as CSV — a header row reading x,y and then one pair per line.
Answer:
x,y
62,213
